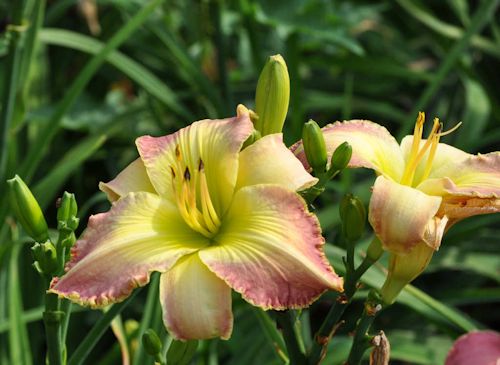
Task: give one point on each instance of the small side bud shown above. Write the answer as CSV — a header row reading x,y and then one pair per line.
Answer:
x,y
341,157
314,146
45,257
27,210
151,342
66,213
181,352
353,215
272,96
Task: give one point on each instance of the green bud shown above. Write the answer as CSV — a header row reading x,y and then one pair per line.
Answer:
x,y
27,210
272,96
341,157
353,215
375,250
66,212
181,352
151,342
314,146
45,257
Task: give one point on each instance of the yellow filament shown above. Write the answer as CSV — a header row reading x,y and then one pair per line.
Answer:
x,y
416,155
192,193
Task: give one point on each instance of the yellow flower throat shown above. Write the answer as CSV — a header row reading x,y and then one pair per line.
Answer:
x,y
193,197
417,153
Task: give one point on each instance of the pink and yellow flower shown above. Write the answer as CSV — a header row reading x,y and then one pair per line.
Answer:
x,y
423,188
209,217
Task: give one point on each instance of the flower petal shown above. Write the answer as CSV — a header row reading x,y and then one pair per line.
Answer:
x,y
474,176
373,146
141,233
132,179
196,303
460,208
269,250
478,348
402,216
444,156
215,142
268,161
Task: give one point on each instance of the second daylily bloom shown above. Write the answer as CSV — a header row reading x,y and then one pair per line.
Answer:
x,y
209,217
423,188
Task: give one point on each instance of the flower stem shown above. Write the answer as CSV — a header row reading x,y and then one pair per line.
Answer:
x,y
373,306
327,329
293,340
52,318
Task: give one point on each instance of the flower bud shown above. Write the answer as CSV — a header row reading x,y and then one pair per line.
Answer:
x,y
45,257
66,213
181,352
314,146
151,342
353,215
272,96
27,210
341,157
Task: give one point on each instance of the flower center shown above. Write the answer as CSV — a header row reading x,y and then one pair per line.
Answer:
x,y
417,153
193,197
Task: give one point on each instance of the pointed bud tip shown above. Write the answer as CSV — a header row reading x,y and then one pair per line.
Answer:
x,y
341,156
151,341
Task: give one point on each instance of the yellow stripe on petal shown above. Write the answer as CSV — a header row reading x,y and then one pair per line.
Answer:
x,y
402,216
268,161
373,147
119,249
475,176
132,179
196,303
269,249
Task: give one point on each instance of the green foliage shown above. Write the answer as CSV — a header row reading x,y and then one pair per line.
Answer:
x,y
72,103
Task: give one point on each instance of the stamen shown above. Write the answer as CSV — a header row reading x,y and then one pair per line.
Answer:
x,y
417,137
415,160
187,174
441,134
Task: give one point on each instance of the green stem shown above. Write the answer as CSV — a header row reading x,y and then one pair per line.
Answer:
x,y
373,306
291,334
36,153
482,15
52,318
151,304
325,332
66,309
98,330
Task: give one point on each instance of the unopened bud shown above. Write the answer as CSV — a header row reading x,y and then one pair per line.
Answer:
x,y
151,342
27,210
353,215
45,257
375,250
341,157
66,212
181,352
314,146
272,96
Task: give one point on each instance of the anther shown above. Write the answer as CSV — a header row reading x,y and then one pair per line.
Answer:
x,y
187,174
201,165
177,152
172,171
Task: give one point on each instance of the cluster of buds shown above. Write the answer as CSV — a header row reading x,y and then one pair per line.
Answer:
x,y
49,258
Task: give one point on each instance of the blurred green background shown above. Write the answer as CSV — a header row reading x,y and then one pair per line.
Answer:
x,y
80,80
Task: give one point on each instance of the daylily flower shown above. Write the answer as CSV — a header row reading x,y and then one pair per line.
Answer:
x,y
423,188
478,348
209,217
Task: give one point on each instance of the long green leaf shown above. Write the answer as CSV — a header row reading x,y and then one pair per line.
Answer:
x,y
127,65
20,352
